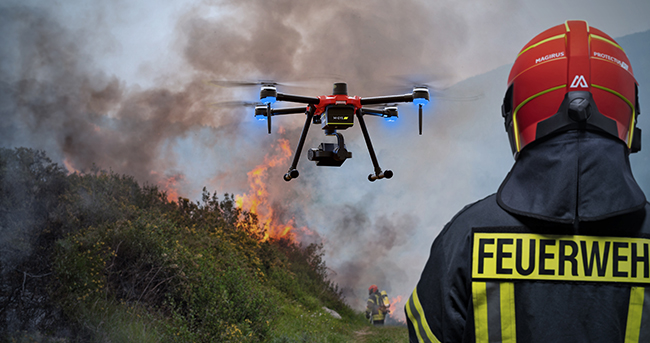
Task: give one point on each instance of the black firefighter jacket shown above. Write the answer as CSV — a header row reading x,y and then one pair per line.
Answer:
x,y
560,254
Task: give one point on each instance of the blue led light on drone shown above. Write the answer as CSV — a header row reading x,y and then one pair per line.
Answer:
x,y
268,100
420,101
260,117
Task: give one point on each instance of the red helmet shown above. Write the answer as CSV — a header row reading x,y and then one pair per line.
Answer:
x,y
571,76
373,289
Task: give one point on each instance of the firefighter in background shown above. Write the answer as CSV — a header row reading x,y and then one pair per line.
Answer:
x,y
378,305
561,253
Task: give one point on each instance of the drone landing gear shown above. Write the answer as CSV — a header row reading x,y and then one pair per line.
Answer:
x,y
293,172
378,173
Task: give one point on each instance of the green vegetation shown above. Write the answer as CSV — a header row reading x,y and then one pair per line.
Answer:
x,y
98,258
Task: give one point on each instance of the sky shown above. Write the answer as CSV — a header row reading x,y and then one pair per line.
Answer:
x,y
126,86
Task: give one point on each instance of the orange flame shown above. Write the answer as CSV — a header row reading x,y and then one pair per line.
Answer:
x,y
256,201
170,185
69,167
397,309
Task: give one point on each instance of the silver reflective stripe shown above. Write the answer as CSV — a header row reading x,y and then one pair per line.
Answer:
x,y
494,311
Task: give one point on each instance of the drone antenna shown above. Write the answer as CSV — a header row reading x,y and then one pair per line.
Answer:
x,y
268,116
420,117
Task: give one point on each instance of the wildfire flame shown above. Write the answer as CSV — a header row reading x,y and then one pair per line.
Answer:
x,y
170,185
256,201
69,167
397,309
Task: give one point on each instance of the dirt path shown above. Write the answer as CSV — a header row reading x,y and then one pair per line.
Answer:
x,y
360,336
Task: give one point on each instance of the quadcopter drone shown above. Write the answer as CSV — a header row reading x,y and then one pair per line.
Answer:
x,y
335,112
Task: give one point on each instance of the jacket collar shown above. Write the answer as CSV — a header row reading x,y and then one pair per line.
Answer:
x,y
573,177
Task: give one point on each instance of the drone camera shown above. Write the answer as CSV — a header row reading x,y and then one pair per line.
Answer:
x,y
329,155
337,117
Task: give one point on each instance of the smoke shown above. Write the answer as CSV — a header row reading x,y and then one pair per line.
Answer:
x,y
56,95
292,40
370,246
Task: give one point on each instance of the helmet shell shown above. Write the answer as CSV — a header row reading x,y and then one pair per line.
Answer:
x,y
373,289
572,57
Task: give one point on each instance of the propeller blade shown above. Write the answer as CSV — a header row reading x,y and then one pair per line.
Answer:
x,y
236,104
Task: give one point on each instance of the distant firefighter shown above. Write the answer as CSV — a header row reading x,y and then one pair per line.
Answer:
x,y
378,305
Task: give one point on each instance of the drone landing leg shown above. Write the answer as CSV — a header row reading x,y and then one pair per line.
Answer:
x,y
378,173
293,172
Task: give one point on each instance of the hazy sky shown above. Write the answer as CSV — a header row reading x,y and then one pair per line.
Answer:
x,y
123,84
136,40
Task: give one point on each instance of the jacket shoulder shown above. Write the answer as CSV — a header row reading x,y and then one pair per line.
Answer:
x,y
482,213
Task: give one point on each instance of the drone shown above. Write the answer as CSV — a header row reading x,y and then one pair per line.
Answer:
x,y
334,113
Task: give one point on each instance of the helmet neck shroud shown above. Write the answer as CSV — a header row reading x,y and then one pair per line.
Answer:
x,y
571,177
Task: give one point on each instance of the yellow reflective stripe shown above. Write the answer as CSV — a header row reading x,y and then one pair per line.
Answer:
x,y
607,41
479,299
542,42
629,103
416,324
508,322
494,312
514,114
420,321
634,314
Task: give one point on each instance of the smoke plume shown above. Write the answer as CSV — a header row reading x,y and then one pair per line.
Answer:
x,y
56,96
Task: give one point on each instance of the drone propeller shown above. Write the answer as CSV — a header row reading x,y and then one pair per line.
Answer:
x,y
230,83
303,84
439,89
236,104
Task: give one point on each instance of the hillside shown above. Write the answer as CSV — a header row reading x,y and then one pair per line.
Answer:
x,y
96,257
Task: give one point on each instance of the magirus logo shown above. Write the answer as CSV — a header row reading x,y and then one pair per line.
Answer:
x,y
550,57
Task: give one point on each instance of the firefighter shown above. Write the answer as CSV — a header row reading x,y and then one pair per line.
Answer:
x,y
377,306
561,253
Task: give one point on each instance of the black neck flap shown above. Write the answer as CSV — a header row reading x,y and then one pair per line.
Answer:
x,y
572,177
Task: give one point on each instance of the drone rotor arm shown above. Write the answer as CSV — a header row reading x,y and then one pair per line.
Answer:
x,y
387,112
298,98
288,110
377,100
